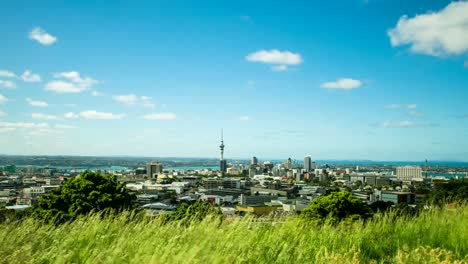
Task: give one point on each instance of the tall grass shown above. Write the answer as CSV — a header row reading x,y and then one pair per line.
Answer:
x,y
434,236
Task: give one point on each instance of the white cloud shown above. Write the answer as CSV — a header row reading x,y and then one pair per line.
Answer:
x,y
412,106
92,114
42,37
44,116
342,83
75,77
131,100
7,74
160,116
2,114
65,126
36,103
74,83
8,84
406,124
392,106
64,87
70,115
7,129
244,118
71,105
24,125
3,99
436,33
275,57
28,76
128,100
279,68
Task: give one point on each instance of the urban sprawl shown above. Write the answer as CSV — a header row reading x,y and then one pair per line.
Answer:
x,y
257,188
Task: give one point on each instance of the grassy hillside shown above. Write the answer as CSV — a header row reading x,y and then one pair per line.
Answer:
x,y
433,237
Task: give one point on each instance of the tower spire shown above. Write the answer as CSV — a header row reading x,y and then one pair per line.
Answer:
x,y
221,147
222,162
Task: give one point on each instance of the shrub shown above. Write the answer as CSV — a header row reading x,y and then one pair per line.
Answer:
x,y
336,207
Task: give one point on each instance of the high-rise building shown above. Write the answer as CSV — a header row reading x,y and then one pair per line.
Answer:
x,y
268,165
30,170
252,172
307,163
409,173
222,162
254,161
288,164
153,169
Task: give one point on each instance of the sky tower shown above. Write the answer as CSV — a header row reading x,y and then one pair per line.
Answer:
x,y
222,162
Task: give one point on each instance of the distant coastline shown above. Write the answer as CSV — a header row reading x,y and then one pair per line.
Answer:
x,y
177,162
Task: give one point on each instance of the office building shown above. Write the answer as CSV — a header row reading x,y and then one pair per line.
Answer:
x,y
409,173
252,172
288,164
153,169
257,199
254,161
268,165
398,197
30,170
307,163
226,183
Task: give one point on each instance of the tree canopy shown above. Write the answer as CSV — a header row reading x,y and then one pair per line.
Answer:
x,y
454,190
90,191
336,207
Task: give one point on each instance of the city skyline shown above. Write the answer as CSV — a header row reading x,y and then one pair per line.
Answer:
x,y
371,80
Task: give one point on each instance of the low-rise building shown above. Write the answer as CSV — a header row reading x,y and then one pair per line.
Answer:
x,y
397,197
258,209
33,192
214,183
257,199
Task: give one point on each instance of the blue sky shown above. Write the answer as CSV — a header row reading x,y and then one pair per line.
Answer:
x,y
375,79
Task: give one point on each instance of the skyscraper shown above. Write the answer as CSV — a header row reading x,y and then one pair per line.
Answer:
x,y
254,161
30,170
153,169
222,162
307,163
288,164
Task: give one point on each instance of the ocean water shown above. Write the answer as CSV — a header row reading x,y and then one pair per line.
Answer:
x,y
396,163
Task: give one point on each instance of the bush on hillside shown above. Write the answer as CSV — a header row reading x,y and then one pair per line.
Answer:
x,y
454,190
335,207
89,192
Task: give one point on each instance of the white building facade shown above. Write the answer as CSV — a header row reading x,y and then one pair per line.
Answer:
x,y
409,173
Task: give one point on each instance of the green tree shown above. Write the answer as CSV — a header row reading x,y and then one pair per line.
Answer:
x,y
90,191
336,207
454,190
